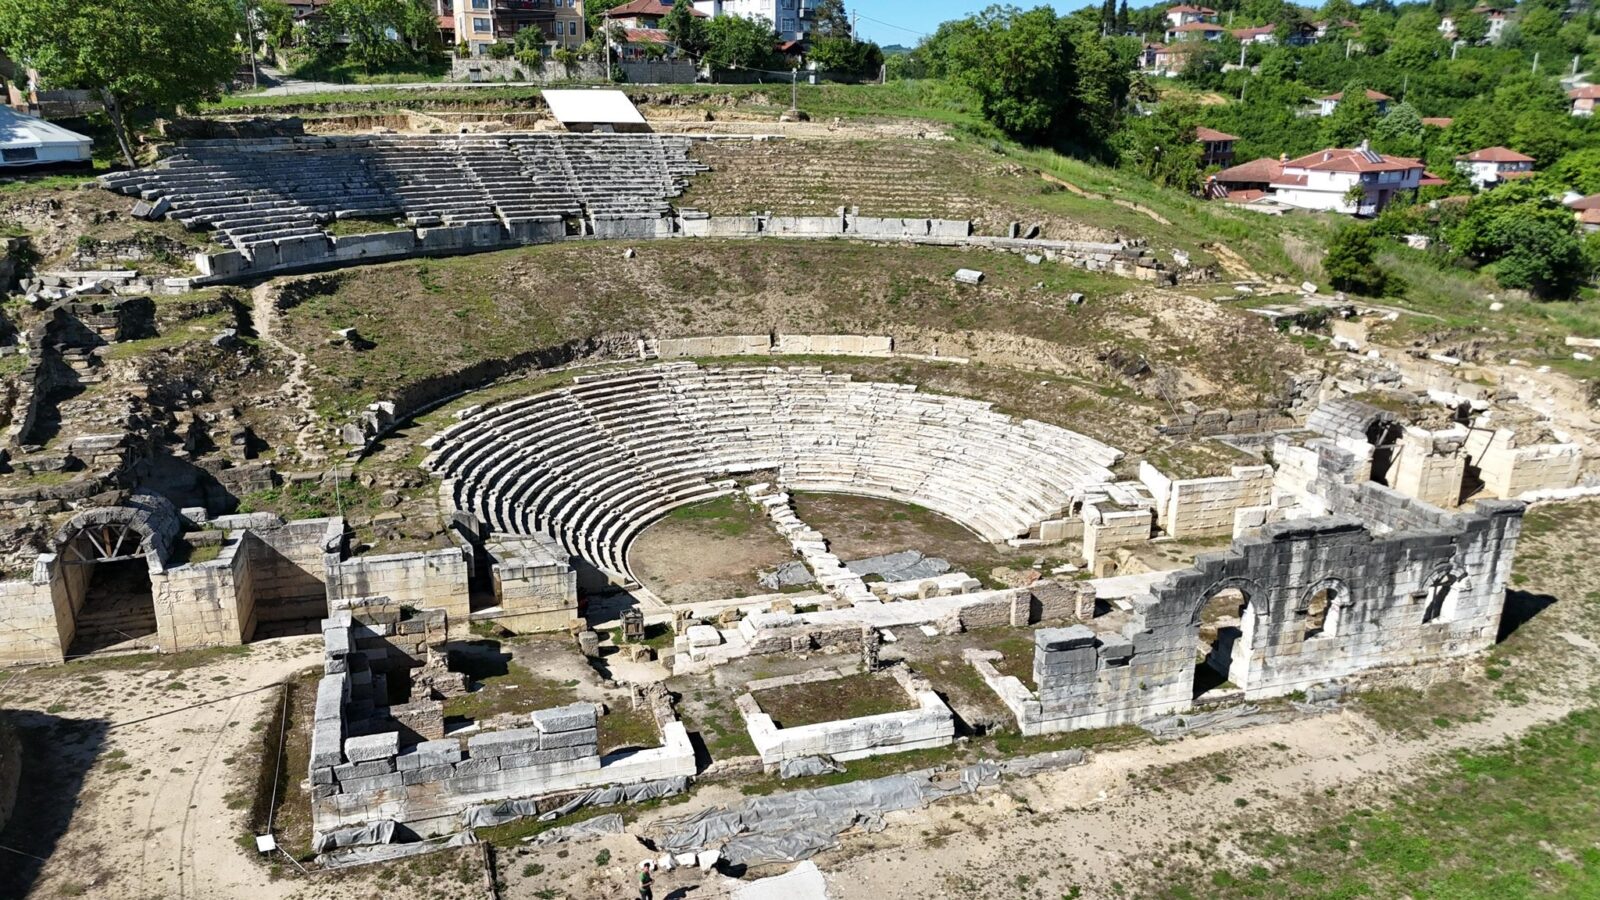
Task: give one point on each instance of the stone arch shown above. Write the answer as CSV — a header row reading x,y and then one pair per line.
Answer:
x,y
144,528
1324,604
1248,587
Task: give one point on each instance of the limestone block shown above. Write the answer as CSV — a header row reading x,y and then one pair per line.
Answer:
x,y
503,743
371,747
1071,637
701,636
573,717
368,769
558,739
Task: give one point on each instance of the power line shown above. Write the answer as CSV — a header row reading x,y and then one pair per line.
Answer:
x,y
892,25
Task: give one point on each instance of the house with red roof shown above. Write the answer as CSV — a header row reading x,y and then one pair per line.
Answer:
x,y
1584,99
1488,167
1167,60
1183,14
1264,34
1325,105
1587,212
1325,180
1217,146
640,21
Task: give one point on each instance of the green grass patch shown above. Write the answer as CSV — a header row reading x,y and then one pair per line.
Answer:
x,y
512,690
850,697
1520,820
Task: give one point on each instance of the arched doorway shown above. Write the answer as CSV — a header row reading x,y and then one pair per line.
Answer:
x,y
1226,629
106,569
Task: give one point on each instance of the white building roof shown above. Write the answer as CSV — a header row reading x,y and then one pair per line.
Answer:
x,y
18,130
597,107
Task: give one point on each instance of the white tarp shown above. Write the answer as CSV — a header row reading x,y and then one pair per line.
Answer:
x,y
610,823
611,795
593,107
28,141
803,882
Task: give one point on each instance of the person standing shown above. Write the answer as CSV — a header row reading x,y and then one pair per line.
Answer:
x,y
645,882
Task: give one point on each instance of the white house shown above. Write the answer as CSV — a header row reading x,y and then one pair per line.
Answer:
x,y
1584,99
1492,165
1265,34
1192,31
1183,14
791,18
26,141
1324,180
1326,104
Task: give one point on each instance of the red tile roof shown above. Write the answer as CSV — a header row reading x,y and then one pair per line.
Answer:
x,y
1371,95
1211,134
1589,216
1260,170
646,8
1335,159
1437,121
1430,180
1590,202
1247,33
1495,155
1587,92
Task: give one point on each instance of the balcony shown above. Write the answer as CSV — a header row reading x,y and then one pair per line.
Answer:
x,y
525,10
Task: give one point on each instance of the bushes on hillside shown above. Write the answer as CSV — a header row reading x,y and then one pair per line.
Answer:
x,y
1350,266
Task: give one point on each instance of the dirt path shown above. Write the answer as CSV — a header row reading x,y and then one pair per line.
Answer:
x,y
296,390
162,807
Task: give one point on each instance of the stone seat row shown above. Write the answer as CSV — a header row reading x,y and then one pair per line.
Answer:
x,y
595,463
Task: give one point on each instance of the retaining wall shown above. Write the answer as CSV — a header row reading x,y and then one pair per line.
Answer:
x,y
931,724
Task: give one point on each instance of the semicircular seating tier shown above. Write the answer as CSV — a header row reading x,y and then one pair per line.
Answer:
x,y
594,464
254,191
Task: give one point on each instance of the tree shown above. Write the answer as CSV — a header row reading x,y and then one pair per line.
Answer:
x,y
1122,18
830,20
1400,132
1353,118
1163,147
379,30
1577,171
1350,267
735,42
686,30
134,54
1019,64
860,59
1472,27
276,23
1526,239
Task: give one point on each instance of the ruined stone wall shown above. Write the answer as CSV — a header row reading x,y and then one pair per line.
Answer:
x,y
1428,476
206,604
534,590
436,579
1324,598
931,724
31,634
1508,471
1205,507
363,770
289,569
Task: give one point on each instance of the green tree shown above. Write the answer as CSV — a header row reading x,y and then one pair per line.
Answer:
x,y
734,42
1400,132
1472,27
1020,65
1525,239
134,54
382,33
859,59
830,20
1577,171
1350,266
1353,119
687,30
276,21
1162,147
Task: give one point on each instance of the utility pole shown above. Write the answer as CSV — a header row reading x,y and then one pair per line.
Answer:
x,y
794,90
608,51
1535,62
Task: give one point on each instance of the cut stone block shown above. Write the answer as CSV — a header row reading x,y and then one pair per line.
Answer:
x,y
372,747
573,717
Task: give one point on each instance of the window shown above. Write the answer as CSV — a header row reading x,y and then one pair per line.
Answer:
x,y
19,154
480,4
1317,612
572,28
480,24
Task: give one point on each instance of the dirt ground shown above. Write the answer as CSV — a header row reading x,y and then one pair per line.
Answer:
x,y
859,527
709,551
